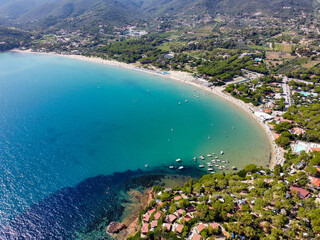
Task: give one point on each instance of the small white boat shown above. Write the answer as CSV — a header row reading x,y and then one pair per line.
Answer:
x,y
202,157
213,160
171,167
178,160
213,172
210,169
209,155
179,103
181,167
223,161
216,157
216,165
209,165
146,165
220,168
186,100
218,160
194,159
201,166
221,152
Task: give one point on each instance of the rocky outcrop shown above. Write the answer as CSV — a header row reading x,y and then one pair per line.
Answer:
x,y
115,227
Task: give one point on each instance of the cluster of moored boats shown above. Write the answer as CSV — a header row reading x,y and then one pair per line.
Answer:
x,y
214,162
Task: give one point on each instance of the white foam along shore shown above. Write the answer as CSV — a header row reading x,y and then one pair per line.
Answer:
x,y
181,77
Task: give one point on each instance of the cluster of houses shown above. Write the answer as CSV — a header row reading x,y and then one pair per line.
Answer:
x,y
175,222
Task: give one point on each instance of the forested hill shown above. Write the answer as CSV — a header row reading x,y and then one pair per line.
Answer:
x,y
75,13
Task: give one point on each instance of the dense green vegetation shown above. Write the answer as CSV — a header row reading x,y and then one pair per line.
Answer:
x,y
308,118
255,91
12,38
223,70
253,203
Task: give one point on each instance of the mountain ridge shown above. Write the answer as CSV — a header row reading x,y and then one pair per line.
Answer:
x,y
117,12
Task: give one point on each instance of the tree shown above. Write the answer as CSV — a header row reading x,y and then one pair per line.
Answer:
x,y
251,168
283,141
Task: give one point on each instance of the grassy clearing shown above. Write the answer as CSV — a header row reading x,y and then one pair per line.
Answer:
x,y
168,45
284,47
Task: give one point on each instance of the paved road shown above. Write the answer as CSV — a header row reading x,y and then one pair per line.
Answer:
x,y
286,92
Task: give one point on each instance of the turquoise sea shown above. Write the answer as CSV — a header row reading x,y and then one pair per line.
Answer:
x,y
70,130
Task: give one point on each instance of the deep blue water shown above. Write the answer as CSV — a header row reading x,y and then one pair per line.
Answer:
x,y
66,126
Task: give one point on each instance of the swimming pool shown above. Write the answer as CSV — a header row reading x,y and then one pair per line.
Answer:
x,y
300,148
307,94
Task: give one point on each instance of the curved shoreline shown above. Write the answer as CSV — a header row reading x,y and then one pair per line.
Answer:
x,y
180,77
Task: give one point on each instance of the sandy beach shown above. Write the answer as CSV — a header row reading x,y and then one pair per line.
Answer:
x,y
277,153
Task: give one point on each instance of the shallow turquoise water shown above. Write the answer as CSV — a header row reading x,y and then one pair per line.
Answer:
x,y
63,121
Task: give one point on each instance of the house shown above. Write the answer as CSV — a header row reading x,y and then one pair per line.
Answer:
x,y
298,131
152,210
180,212
187,218
191,209
303,194
167,226
286,120
214,225
276,136
267,111
145,228
154,223
146,217
315,182
300,165
200,227
171,218
177,198
179,228
196,236
157,216
315,149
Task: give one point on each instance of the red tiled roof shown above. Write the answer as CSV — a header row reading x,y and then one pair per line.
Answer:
x,y
179,228
146,217
152,210
315,149
171,218
187,218
157,215
167,226
214,225
144,229
302,192
196,237
180,212
177,198
154,223
316,182
275,136
298,131
286,120
200,227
